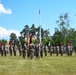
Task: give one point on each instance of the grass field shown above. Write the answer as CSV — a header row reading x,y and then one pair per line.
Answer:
x,y
61,65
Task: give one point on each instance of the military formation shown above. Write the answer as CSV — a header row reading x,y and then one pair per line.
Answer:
x,y
35,50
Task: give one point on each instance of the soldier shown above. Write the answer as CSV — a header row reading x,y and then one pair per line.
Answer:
x,y
10,49
14,49
24,47
50,49
1,51
41,51
68,50
75,50
57,50
71,50
61,48
28,52
54,49
4,50
20,48
32,51
45,50
36,51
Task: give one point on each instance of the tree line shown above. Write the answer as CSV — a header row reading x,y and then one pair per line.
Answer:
x,y
63,33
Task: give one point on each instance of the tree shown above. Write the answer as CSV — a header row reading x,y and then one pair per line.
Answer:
x,y
63,24
33,29
13,38
3,41
72,36
25,30
46,33
57,37
22,39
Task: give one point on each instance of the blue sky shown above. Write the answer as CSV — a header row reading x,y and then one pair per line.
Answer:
x,y
19,13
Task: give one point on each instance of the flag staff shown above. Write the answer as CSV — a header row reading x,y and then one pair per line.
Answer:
x,y
40,26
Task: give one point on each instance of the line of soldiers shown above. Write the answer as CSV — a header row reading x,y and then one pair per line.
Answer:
x,y
38,50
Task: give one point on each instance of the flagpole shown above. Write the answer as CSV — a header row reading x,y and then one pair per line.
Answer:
x,y
40,26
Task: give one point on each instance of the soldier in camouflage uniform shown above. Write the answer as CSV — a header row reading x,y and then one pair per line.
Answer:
x,y
4,50
57,50
36,51
61,50
70,50
54,49
10,49
20,48
31,48
45,50
50,48
1,50
24,48
41,52
14,49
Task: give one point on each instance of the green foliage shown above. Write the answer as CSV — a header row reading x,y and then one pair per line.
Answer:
x,y
61,32
13,37
21,39
46,41
3,41
35,41
35,31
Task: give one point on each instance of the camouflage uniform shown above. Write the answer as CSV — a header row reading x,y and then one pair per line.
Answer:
x,y
4,50
36,51
45,50
71,50
10,50
68,50
1,48
57,50
32,51
62,48
20,49
24,48
50,49
14,49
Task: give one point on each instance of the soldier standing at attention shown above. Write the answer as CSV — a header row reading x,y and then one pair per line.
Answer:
x,y
19,48
10,49
45,50
36,51
62,48
31,47
24,47
41,52
4,50
57,50
71,48
49,48
1,49
14,49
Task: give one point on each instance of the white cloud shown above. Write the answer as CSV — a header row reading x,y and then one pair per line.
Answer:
x,y
4,11
4,33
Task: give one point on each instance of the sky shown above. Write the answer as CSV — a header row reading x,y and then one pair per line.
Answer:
x,y
15,14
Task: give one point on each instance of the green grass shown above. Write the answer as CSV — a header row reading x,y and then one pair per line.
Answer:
x,y
61,65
